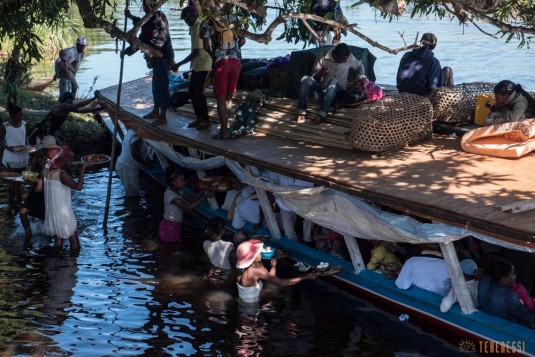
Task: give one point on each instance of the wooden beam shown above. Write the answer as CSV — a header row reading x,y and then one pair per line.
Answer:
x,y
457,278
354,253
266,207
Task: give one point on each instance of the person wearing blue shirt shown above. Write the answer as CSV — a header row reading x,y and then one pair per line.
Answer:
x,y
496,296
419,71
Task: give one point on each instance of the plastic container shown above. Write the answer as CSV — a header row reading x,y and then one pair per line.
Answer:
x,y
268,252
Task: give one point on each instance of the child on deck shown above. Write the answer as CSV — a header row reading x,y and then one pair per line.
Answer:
x,y
12,139
175,202
57,184
218,250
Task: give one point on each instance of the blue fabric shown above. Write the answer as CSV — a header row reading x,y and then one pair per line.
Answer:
x,y
419,72
499,300
160,82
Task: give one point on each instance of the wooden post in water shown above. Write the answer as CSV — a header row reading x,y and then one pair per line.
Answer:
x,y
115,129
354,253
194,153
457,278
263,199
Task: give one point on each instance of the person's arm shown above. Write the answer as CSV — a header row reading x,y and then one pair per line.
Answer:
x,y
241,41
434,76
67,180
194,53
448,301
318,70
193,202
2,136
404,280
273,279
129,15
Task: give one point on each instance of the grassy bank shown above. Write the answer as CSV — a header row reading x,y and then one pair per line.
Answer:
x,y
81,131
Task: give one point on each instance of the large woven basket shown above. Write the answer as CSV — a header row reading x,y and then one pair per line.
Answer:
x,y
391,123
457,104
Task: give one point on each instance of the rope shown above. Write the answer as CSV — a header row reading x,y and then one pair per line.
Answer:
x,y
115,130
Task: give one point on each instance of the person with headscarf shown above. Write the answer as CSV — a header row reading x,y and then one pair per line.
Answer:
x,y
60,221
419,70
511,105
253,272
155,33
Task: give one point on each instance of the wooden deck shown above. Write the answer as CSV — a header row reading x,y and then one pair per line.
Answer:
x,y
435,179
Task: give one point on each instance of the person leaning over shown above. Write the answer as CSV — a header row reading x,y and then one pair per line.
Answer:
x,y
329,76
201,65
225,70
419,70
74,55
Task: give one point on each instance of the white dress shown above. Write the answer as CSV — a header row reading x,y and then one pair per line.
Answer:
x,y
59,216
15,137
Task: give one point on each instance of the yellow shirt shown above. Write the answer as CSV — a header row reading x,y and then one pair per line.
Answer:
x,y
203,61
381,255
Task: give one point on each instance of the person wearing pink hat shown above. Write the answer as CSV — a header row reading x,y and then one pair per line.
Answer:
x,y
249,280
59,215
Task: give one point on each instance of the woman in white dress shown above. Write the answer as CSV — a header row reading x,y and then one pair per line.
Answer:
x,y
59,216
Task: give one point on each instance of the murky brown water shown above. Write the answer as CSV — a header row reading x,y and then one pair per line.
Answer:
x,y
128,294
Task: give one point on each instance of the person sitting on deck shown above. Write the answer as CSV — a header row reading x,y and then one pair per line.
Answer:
x,y
330,242
249,280
383,253
218,250
469,268
130,162
59,114
511,105
427,271
329,76
496,296
419,71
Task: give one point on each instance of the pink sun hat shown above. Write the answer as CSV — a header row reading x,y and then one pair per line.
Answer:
x,y
247,253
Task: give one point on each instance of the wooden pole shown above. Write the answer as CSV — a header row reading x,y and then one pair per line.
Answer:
x,y
354,253
269,216
115,130
457,278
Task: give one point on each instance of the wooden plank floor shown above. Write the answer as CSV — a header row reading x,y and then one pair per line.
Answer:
x,y
434,179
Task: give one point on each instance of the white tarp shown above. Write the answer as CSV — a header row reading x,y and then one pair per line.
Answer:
x,y
185,161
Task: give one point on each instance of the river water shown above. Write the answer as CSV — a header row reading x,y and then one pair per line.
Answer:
x,y
128,294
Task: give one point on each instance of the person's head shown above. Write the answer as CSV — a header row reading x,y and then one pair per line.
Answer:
x,y
67,98
48,142
241,236
503,90
81,42
429,39
341,53
469,268
148,5
502,272
15,113
176,180
189,15
58,156
215,228
62,54
248,252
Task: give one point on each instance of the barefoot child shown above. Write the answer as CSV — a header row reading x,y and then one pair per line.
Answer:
x,y
175,202
12,138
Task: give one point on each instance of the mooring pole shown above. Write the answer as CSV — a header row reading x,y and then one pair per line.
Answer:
x,y
115,119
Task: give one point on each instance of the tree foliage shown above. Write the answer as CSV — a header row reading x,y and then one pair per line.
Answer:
x,y
20,18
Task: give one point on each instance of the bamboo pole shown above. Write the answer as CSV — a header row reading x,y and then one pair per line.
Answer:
x,y
115,130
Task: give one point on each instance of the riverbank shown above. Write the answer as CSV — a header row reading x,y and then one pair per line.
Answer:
x,y
82,132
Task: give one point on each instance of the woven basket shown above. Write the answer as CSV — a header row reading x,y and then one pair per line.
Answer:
x,y
457,104
391,123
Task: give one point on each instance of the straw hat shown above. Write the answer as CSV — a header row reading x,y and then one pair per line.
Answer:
x,y
58,156
47,142
247,253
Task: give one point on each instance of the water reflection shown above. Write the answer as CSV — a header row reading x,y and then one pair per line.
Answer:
x,y
126,293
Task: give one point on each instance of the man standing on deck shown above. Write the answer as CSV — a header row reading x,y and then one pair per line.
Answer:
x,y
419,71
329,76
201,65
74,55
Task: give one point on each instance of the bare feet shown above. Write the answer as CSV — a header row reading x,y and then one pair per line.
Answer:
x,y
300,119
